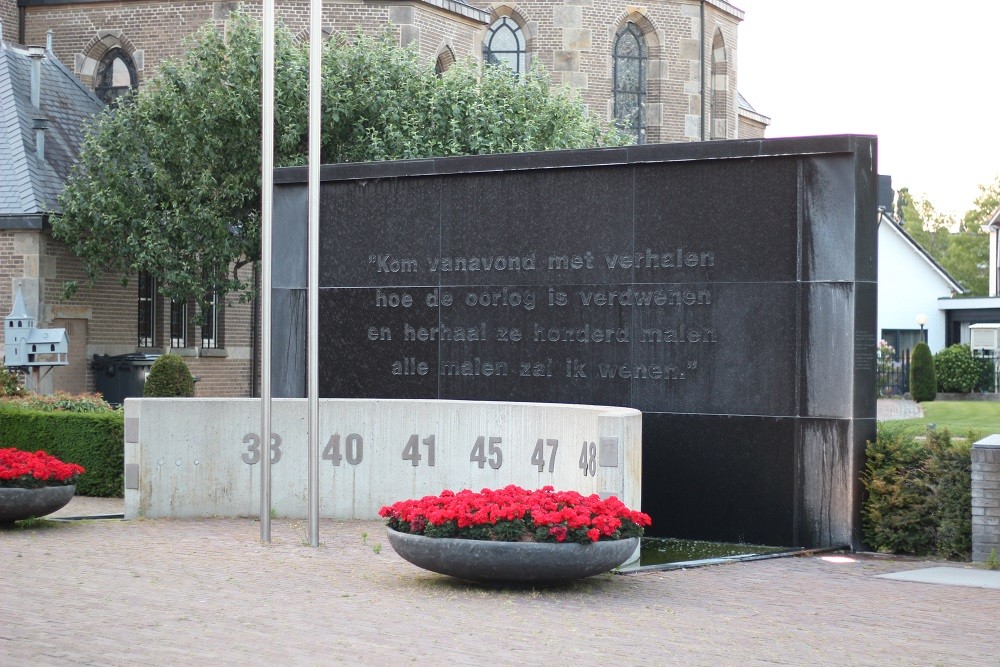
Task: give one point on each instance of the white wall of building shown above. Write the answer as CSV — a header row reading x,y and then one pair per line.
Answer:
x,y
909,285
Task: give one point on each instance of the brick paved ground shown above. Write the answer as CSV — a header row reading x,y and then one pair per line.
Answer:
x,y
898,408
170,592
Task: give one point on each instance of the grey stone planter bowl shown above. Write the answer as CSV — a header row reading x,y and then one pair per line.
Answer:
x,y
513,562
17,504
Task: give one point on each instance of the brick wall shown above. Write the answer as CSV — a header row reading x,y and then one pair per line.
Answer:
x,y
574,40
8,14
157,29
11,268
986,498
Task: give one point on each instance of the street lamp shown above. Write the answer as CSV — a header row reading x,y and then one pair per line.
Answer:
x,y
922,320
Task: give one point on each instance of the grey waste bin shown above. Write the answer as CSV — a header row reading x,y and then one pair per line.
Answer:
x,y
121,376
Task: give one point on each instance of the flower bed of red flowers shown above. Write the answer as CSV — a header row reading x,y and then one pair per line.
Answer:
x,y
513,514
27,470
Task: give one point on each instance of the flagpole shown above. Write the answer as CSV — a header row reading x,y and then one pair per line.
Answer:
x,y
315,67
267,195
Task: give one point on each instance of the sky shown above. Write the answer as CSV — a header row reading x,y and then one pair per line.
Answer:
x,y
919,75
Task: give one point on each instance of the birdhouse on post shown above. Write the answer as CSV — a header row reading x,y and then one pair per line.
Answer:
x,y
26,346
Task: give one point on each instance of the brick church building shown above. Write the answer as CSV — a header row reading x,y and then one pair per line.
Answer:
x,y
666,70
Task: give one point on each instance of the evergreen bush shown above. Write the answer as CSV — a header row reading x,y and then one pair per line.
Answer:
x,y
169,377
918,495
923,380
956,369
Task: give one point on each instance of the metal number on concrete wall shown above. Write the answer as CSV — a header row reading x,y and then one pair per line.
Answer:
x,y
411,452
538,455
479,453
588,458
354,449
252,455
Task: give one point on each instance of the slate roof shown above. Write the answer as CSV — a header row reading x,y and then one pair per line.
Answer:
x,y
29,185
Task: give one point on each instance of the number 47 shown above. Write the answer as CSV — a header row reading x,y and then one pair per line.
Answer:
x,y
538,456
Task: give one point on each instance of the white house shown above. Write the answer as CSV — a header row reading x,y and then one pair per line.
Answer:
x,y
910,286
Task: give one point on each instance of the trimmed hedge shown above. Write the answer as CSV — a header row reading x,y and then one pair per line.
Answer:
x,y
95,440
918,495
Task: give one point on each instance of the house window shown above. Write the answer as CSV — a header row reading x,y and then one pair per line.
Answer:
x,y
146,319
178,323
116,75
630,82
504,44
902,341
211,331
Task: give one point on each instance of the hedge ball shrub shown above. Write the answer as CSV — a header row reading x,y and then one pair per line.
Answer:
x,y
923,381
956,369
169,376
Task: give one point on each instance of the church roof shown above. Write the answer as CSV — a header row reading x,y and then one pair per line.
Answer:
x,y
30,186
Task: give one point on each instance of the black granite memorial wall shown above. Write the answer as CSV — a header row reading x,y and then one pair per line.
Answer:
x,y
726,289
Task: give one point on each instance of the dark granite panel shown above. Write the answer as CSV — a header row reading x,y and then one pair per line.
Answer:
x,y
824,482
828,335
828,230
289,238
364,348
724,348
550,352
379,232
865,372
288,343
865,201
720,217
542,227
714,477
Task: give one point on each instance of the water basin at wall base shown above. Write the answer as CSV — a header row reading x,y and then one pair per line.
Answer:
x,y
664,553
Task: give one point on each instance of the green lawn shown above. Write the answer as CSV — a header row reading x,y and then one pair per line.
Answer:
x,y
958,417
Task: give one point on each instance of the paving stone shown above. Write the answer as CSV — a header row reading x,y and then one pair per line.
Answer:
x,y
168,592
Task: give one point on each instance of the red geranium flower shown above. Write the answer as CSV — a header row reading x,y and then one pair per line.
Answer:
x,y
514,514
27,470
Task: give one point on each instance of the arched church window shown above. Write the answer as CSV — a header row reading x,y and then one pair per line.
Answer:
x,y
630,81
504,44
116,75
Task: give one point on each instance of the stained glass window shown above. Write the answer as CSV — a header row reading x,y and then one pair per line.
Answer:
x,y
630,82
116,75
504,45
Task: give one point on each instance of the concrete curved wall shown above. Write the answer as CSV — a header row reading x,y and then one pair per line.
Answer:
x,y
197,457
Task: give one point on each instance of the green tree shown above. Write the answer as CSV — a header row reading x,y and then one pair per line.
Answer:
x,y
922,222
169,181
962,248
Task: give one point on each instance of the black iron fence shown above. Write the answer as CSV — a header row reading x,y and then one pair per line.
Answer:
x,y
989,369
894,376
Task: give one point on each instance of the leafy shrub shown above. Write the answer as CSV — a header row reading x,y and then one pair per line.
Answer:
x,y
918,495
987,375
169,376
9,383
61,402
923,380
94,440
956,369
